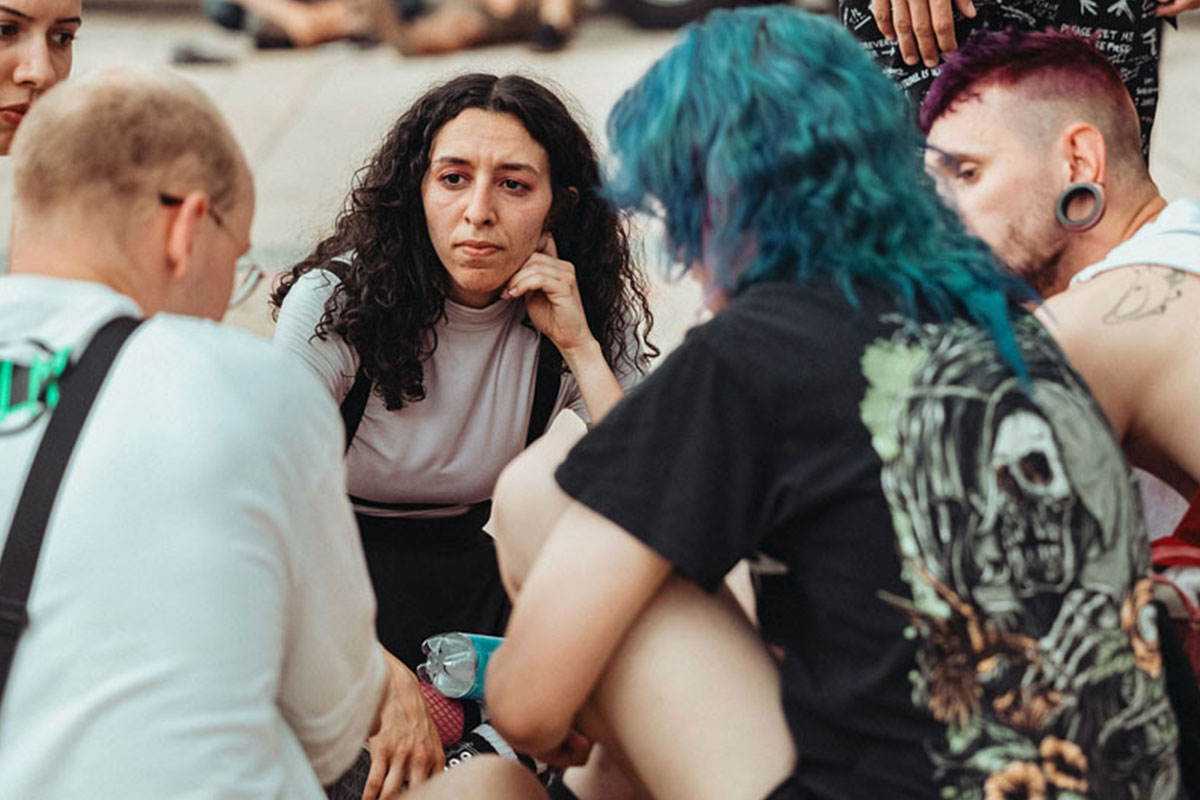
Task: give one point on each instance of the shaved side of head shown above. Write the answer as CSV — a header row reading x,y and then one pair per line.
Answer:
x,y
1053,79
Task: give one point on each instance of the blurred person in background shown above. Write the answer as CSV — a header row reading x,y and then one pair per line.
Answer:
x,y
448,25
36,43
950,564
292,23
412,27
475,286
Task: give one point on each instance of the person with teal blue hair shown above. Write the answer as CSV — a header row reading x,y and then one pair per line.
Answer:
x,y
952,578
804,162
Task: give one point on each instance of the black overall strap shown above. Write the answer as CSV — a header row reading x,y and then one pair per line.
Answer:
x,y
545,392
547,380
545,388
77,391
355,404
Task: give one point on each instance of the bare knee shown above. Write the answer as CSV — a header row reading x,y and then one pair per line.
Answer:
x,y
447,30
606,775
482,778
738,741
526,504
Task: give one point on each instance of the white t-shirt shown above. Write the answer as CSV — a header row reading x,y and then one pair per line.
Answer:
x,y
451,446
1172,239
201,617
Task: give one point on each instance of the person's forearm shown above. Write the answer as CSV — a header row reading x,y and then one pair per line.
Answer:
x,y
271,9
597,383
527,725
589,570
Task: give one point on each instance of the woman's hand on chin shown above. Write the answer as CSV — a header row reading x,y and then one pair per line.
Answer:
x,y
552,298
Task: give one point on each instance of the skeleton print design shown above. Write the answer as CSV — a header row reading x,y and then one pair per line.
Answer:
x,y
1022,541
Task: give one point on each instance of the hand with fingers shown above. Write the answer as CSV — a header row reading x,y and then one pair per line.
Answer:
x,y
552,297
1174,8
572,751
924,29
405,748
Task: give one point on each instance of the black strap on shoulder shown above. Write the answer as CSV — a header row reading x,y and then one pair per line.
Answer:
x,y
355,404
77,391
545,388
547,380
545,393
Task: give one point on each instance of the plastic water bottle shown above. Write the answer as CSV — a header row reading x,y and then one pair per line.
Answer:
x,y
455,663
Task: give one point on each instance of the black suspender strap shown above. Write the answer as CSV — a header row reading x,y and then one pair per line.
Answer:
x,y
355,404
545,388
545,393
78,388
547,380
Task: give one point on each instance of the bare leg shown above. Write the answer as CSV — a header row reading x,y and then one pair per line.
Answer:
x,y
308,24
483,778
606,776
503,9
557,13
521,527
455,26
691,698
448,28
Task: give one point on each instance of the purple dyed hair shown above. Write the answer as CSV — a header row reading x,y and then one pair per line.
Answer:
x,y
1053,64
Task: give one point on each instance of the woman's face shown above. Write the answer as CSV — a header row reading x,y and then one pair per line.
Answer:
x,y
486,195
35,53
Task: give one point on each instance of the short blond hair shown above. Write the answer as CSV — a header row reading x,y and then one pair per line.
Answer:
x,y
118,138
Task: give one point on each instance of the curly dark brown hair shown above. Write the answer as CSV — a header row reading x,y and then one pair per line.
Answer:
x,y
393,293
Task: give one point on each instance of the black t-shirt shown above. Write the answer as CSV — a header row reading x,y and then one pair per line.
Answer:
x,y
952,559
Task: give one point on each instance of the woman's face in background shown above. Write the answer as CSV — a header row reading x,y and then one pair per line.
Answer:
x,y
487,196
36,41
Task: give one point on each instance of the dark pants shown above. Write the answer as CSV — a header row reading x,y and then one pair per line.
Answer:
x,y
790,789
432,576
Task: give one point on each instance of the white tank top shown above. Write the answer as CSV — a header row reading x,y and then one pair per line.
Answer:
x,y
1172,239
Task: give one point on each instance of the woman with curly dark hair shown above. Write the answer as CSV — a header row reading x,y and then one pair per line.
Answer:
x,y
475,285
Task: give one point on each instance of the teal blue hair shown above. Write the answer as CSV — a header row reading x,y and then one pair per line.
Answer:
x,y
774,149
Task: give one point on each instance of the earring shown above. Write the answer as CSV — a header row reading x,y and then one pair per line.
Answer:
x,y
1088,221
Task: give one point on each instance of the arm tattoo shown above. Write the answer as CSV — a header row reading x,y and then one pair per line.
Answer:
x,y
1152,291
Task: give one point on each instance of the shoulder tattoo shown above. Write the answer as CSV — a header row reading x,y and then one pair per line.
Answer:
x,y
1148,296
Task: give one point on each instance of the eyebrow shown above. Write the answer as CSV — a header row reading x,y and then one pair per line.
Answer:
x,y
952,158
24,16
515,166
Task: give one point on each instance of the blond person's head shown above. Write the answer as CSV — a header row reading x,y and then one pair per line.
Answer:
x,y
36,43
141,163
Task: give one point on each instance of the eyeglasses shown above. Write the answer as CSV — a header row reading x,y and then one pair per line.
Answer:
x,y
247,273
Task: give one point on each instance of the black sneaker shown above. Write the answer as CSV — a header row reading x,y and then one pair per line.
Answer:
x,y
272,37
